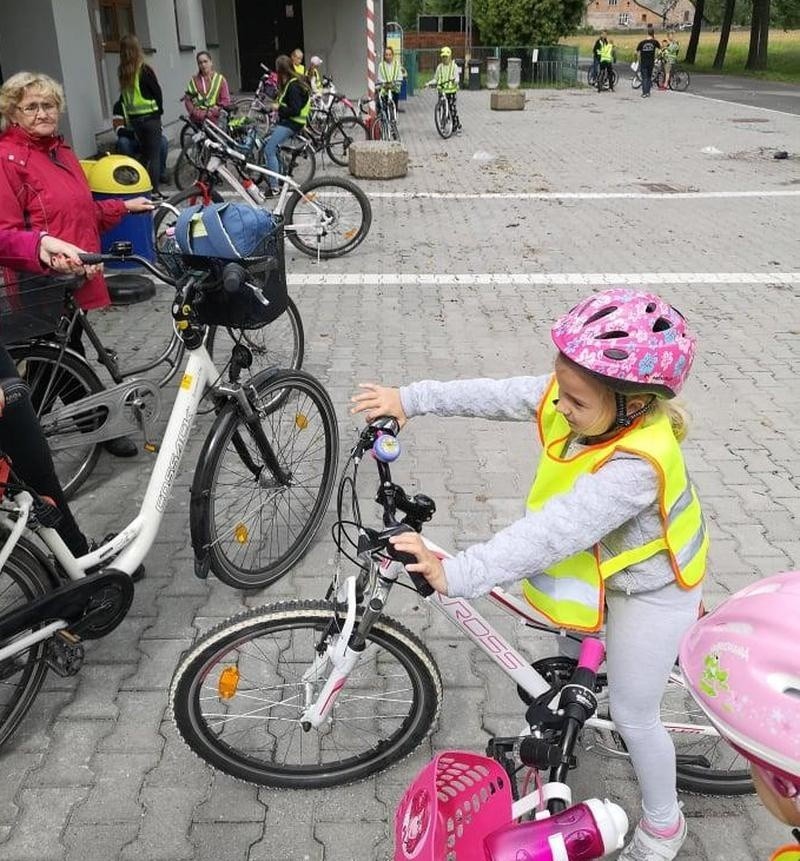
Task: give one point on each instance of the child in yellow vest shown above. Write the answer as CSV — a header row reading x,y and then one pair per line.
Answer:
x,y
445,79
613,519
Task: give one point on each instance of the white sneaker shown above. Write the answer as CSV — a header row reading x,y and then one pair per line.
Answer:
x,y
645,846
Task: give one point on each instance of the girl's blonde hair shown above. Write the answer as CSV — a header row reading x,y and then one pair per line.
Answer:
x,y
13,91
677,415
131,59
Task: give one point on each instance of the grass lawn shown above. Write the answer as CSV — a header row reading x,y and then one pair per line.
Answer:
x,y
784,51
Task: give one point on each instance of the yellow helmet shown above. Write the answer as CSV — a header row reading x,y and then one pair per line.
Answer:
x,y
446,52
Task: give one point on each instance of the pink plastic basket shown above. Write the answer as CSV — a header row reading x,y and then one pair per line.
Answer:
x,y
456,800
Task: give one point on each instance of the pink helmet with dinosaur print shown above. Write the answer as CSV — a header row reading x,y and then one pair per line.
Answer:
x,y
634,341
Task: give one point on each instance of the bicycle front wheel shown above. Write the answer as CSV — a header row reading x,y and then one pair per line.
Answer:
x,y
443,119
58,381
341,134
679,81
330,218
21,676
238,697
255,509
185,173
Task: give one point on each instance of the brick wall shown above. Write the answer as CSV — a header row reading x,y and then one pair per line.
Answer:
x,y
413,41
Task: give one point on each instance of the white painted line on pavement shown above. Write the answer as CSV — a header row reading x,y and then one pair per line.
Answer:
x,y
741,104
418,279
581,195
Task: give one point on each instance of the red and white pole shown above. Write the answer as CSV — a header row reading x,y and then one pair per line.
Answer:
x,y
371,56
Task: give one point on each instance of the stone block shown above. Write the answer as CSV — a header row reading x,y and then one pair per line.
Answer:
x,y
507,100
378,159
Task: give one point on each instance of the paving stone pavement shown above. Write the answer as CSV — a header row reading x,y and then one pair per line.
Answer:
x,y
97,771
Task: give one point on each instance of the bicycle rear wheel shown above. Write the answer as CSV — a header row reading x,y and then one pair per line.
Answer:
x,y
330,218
185,173
238,696
248,106
58,381
679,80
341,134
21,677
248,521
636,81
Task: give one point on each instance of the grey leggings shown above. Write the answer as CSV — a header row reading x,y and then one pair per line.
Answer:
x,y
643,632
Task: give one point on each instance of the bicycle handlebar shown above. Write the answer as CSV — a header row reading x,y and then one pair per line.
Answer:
x,y
93,259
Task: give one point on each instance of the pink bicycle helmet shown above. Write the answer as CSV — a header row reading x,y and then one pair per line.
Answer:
x,y
634,341
741,664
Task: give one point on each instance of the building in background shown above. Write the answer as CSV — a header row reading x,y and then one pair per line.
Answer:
x,y
77,42
623,14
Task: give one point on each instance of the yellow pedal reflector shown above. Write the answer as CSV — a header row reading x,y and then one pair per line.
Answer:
x,y
349,234
241,533
301,421
228,683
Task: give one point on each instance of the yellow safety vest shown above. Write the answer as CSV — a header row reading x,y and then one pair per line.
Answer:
x,y
447,77
787,853
299,69
572,593
607,53
134,104
209,99
390,75
302,117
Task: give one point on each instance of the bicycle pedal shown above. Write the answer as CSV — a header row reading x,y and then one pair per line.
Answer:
x,y
65,654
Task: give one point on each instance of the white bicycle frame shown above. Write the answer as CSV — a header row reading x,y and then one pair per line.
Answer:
x,y
134,541
341,659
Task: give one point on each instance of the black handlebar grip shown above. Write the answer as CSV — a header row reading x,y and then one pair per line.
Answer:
x,y
90,259
233,276
421,584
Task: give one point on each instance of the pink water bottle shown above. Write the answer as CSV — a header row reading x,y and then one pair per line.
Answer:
x,y
583,832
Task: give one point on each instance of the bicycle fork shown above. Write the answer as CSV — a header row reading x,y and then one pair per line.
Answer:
x,y
342,653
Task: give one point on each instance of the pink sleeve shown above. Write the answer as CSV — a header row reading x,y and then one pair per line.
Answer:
x,y
224,99
19,249
11,213
109,213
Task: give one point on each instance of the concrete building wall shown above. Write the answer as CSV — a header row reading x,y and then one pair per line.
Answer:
x,y
226,56
337,32
602,14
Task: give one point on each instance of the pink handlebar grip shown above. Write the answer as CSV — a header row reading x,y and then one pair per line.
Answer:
x,y
593,653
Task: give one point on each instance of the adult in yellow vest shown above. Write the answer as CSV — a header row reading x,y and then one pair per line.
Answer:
x,y
207,93
142,105
612,517
297,62
607,56
294,106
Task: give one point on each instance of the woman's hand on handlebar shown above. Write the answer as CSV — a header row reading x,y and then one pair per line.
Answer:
x,y
64,257
427,564
376,401
140,204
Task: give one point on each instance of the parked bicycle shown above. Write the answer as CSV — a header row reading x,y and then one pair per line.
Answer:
x,y
679,78
321,693
606,79
326,217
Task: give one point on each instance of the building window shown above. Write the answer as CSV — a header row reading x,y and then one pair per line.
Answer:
x,y
116,21
210,23
624,19
183,25
612,2
644,19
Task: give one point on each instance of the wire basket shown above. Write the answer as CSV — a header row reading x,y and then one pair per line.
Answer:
x,y
30,305
457,800
213,305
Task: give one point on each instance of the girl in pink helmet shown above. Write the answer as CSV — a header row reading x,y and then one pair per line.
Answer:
x,y
752,695
612,522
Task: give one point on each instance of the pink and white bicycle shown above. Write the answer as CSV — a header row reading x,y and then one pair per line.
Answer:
x,y
308,694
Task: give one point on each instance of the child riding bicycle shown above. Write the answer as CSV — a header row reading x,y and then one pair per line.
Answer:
x,y
612,521
445,78
390,77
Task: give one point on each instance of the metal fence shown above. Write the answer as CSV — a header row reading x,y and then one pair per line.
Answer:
x,y
554,65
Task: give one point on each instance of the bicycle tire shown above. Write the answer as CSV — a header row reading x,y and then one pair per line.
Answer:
x,y
442,119
337,223
660,78
284,404
679,81
37,363
185,173
245,106
22,573
265,343
387,639
636,81
614,78
342,108
341,134
376,129
697,779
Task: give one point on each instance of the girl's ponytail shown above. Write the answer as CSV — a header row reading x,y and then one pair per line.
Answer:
x,y
677,415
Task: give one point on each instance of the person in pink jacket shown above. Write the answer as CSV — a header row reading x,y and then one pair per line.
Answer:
x,y
207,93
42,187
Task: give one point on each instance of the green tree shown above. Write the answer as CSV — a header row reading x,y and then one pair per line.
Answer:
x,y
526,22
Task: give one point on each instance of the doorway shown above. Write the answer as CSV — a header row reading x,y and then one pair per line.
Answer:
x,y
266,28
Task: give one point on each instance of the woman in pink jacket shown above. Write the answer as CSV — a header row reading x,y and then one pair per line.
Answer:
x,y
42,187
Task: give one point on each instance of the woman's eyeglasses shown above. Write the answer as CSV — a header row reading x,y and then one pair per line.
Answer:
x,y
35,107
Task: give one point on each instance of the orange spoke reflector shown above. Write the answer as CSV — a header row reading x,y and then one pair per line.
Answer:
x,y
301,421
312,197
241,533
228,683
349,234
